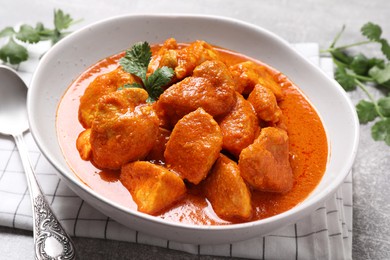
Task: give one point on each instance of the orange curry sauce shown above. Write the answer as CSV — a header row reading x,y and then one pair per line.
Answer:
x,y
308,150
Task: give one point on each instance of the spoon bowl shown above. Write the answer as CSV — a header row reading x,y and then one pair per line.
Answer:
x,y
50,239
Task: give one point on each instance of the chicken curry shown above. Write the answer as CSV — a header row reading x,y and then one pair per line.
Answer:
x,y
228,139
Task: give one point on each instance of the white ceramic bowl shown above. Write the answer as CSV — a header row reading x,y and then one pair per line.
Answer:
x,y
71,56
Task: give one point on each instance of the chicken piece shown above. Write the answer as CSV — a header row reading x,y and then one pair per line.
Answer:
x,y
165,56
239,126
194,146
153,187
265,164
227,191
83,144
123,130
164,120
156,155
281,123
216,72
184,60
102,85
247,74
193,55
265,104
211,88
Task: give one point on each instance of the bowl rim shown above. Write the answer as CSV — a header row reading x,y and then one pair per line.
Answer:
x,y
295,211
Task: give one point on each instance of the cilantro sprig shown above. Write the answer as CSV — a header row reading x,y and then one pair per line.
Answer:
x,y
357,71
15,53
136,62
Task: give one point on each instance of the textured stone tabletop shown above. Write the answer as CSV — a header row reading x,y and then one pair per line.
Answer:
x,y
296,21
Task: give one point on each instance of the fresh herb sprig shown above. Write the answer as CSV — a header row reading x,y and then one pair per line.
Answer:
x,y
14,53
358,71
136,62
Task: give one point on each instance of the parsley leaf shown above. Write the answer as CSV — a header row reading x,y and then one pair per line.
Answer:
x,y
160,77
380,131
380,63
385,48
355,71
380,75
384,106
137,59
344,79
62,21
28,34
13,53
360,64
8,31
372,31
136,62
366,111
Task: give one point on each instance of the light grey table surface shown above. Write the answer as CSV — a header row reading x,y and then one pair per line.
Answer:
x,y
296,21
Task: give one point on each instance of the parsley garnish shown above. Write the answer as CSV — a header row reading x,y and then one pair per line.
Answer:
x,y
14,53
136,62
359,71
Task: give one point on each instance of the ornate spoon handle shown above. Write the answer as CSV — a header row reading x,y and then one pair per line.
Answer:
x,y
50,239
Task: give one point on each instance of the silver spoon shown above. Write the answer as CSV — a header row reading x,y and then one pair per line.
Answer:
x,y
50,239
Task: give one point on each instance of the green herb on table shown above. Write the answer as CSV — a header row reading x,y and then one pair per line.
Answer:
x,y
136,62
358,71
14,53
